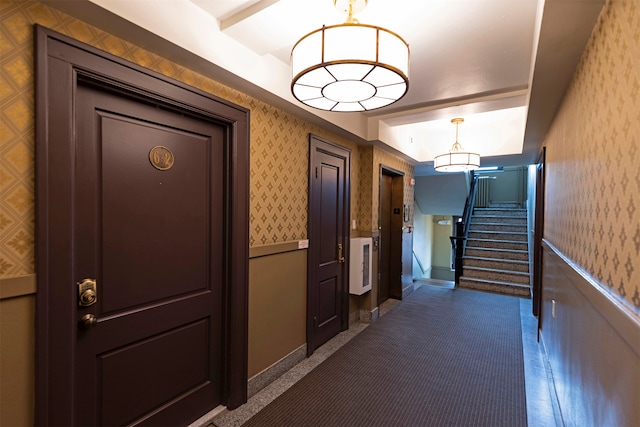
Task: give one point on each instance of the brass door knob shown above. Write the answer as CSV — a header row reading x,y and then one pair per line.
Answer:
x,y
88,321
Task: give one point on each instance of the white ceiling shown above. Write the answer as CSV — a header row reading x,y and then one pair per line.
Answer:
x,y
460,49
502,65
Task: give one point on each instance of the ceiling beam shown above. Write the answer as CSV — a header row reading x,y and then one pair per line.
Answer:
x,y
246,13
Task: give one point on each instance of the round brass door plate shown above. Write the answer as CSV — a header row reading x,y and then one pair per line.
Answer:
x,y
161,158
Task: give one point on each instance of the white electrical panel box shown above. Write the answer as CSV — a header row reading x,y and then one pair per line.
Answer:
x,y
360,265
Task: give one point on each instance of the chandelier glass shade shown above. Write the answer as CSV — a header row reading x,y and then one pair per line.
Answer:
x,y
456,160
350,67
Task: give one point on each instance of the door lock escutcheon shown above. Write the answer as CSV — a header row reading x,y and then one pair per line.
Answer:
x,y
87,292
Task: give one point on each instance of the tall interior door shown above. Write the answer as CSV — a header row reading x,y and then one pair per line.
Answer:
x,y
134,248
537,238
390,219
386,213
327,285
149,232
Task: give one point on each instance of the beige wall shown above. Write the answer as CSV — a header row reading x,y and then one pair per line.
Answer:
x,y
441,250
422,242
278,192
509,185
592,223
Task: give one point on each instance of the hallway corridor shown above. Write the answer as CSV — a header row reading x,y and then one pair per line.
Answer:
x,y
540,409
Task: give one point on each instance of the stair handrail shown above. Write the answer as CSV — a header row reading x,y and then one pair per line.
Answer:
x,y
415,255
459,241
469,203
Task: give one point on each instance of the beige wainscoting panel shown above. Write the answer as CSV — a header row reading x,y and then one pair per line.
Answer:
x,y
593,344
17,363
277,307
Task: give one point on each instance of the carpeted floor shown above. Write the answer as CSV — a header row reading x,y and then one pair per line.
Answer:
x,y
442,357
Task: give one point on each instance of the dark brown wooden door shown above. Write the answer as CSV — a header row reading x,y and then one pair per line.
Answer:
x,y
142,185
386,186
327,299
538,231
148,227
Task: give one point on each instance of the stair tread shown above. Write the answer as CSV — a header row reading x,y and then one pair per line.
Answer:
x,y
475,239
516,233
495,270
514,261
475,218
498,223
488,215
499,208
519,251
495,282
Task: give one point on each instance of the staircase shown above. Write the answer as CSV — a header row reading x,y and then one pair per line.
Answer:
x,y
497,258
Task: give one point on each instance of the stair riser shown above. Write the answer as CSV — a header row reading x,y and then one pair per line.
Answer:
x,y
515,228
498,265
503,205
500,212
498,236
497,288
514,220
496,275
519,246
495,254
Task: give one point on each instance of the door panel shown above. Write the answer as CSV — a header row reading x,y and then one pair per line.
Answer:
x,y
327,293
329,181
138,260
128,388
328,302
153,240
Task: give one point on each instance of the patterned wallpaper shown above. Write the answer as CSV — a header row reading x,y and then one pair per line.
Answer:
x,y
279,140
365,215
593,157
371,158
